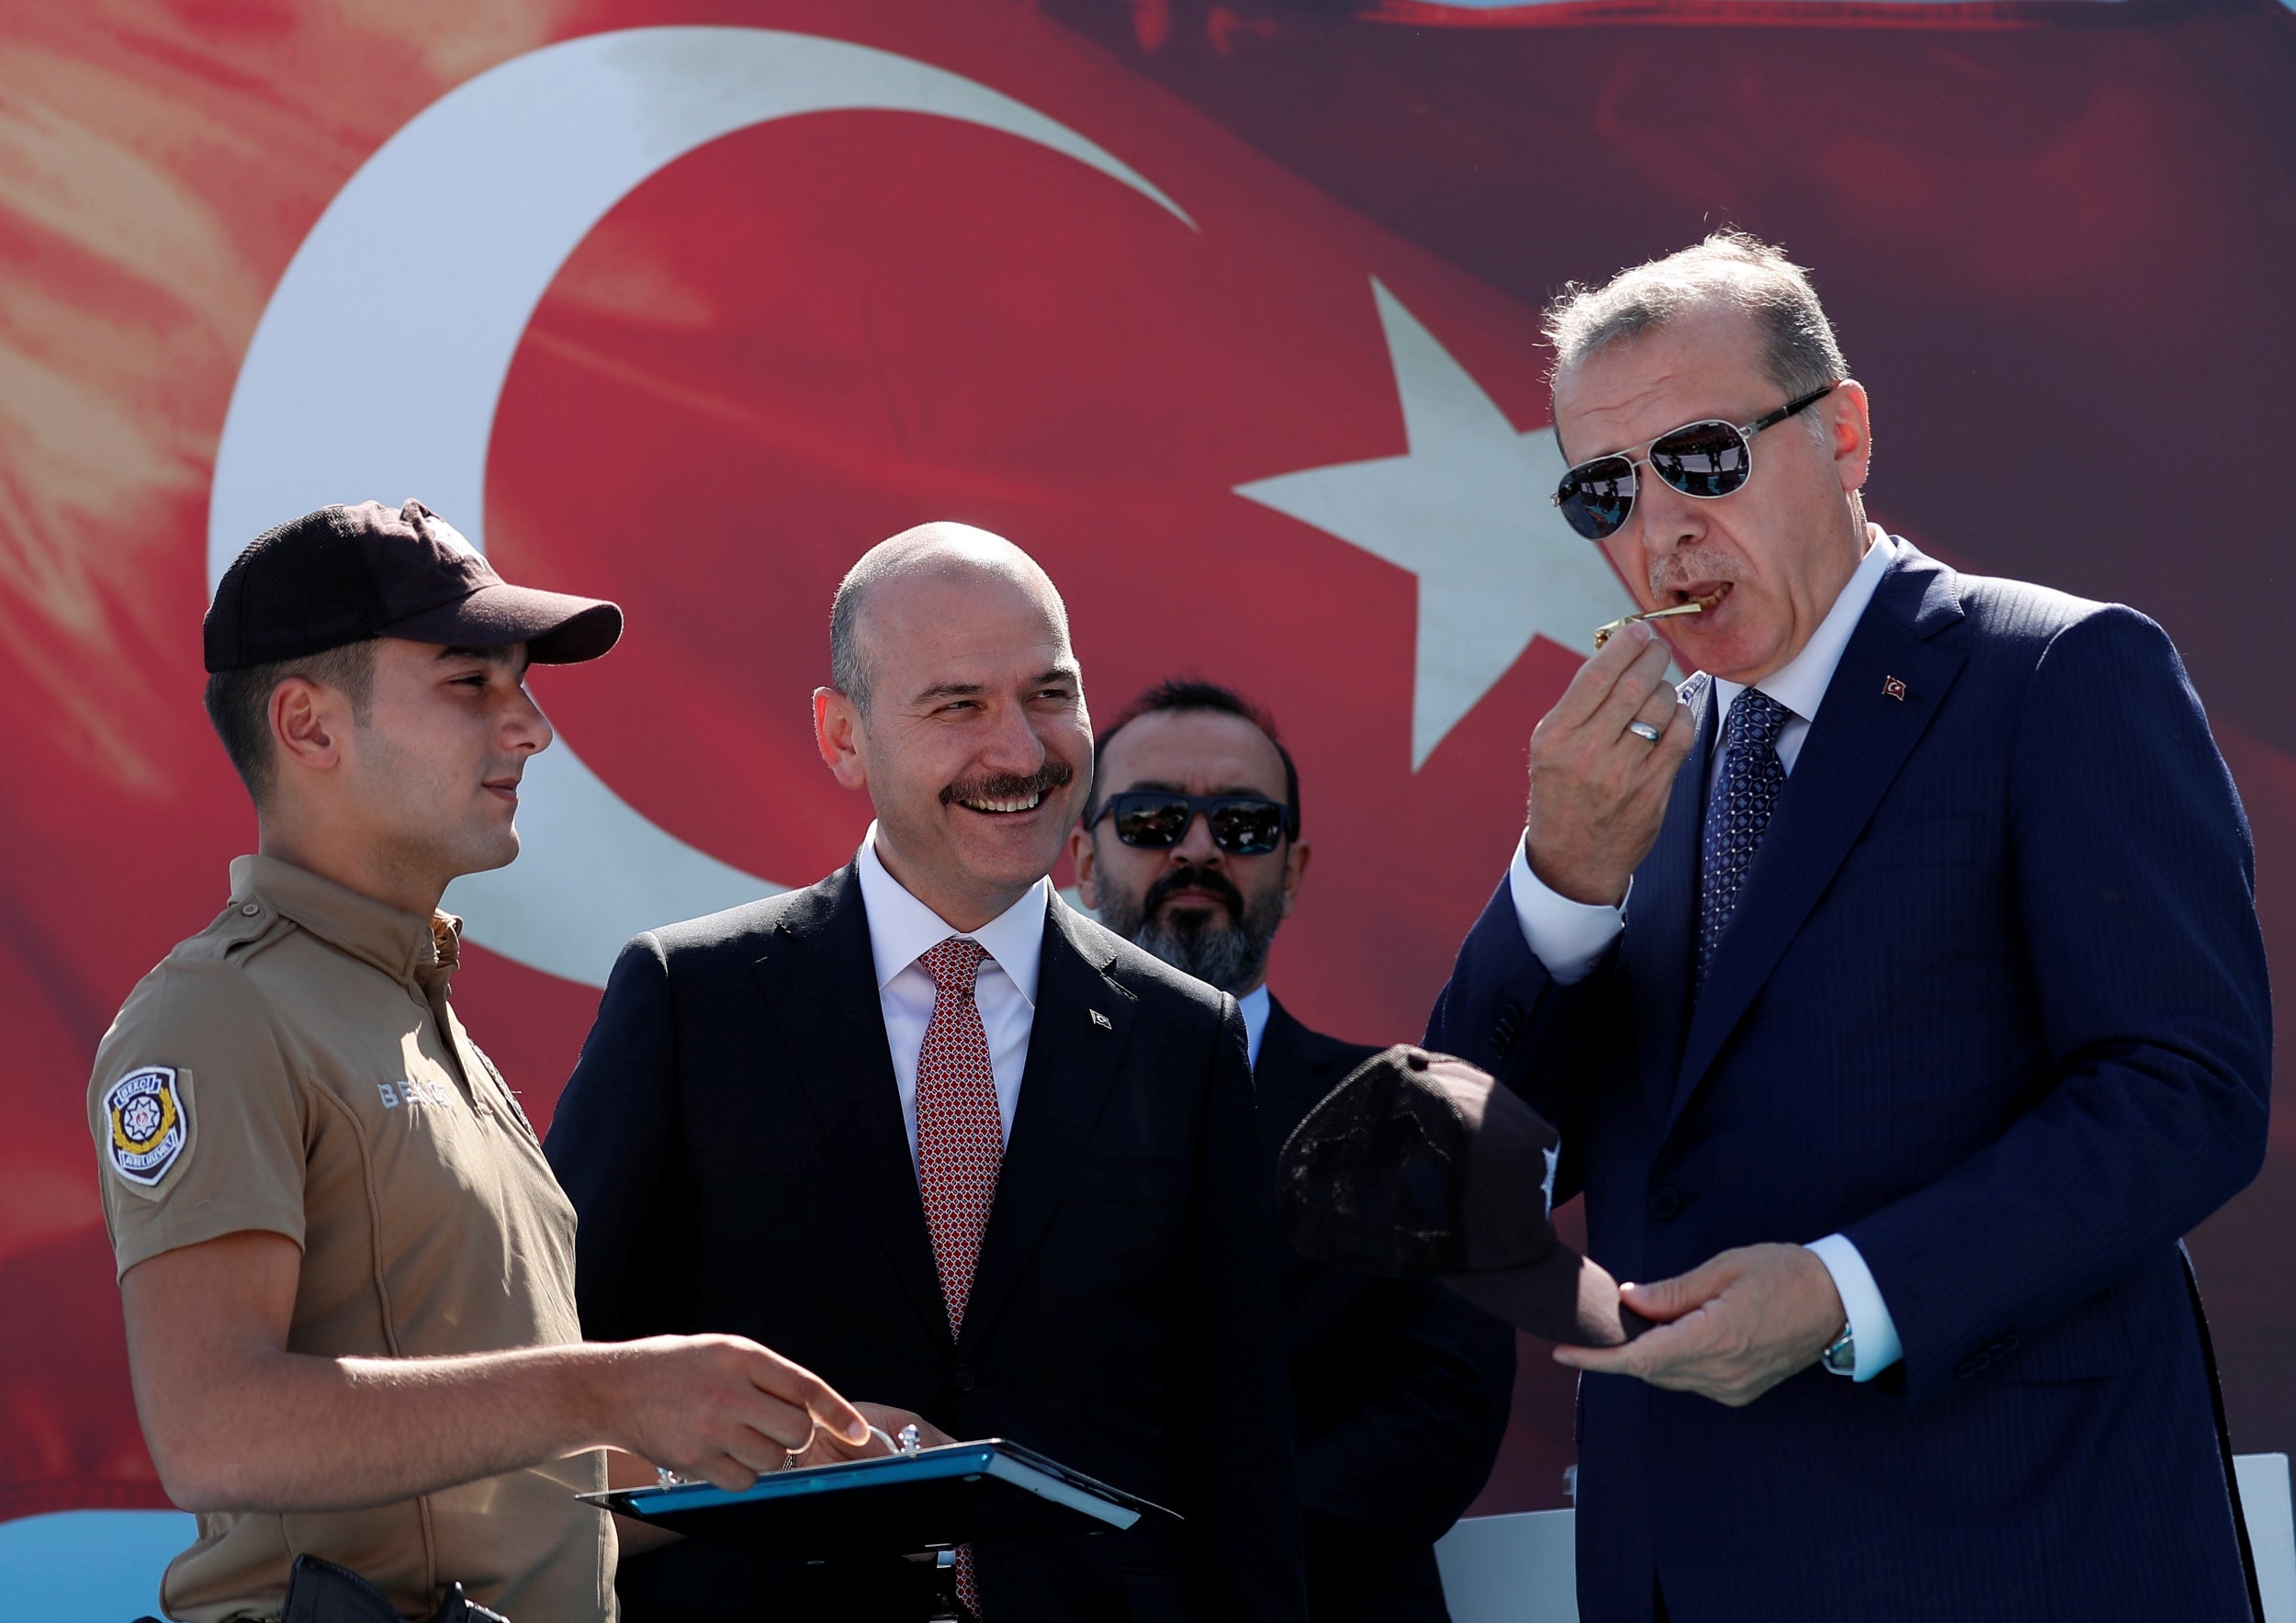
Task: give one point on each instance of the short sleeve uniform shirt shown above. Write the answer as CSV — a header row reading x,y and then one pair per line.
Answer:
x,y
296,1068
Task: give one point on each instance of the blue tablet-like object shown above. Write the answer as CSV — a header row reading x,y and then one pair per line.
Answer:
x,y
960,1492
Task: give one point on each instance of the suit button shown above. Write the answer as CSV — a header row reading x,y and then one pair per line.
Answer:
x,y
963,1379
1966,1369
1665,1200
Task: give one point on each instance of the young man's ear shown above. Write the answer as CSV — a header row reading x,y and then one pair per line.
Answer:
x,y
307,721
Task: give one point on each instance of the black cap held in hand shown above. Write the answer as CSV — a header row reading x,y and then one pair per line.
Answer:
x,y
1418,1166
344,574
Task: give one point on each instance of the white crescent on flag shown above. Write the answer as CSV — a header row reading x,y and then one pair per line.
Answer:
x,y
378,363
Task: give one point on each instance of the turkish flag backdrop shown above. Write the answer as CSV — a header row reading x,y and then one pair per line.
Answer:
x,y
2055,237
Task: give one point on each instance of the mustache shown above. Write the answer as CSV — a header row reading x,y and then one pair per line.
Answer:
x,y
1210,881
1051,775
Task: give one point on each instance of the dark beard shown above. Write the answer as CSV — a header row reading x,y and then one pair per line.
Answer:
x,y
1231,957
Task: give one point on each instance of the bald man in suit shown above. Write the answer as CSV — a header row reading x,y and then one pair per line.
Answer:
x,y
992,1167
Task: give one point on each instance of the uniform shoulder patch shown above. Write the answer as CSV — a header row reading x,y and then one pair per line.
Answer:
x,y
150,1124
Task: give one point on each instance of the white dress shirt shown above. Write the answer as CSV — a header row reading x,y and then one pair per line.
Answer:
x,y
1570,937
1253,1004
902,929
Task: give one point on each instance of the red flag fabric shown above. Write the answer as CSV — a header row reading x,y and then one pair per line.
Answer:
x,y
1229,313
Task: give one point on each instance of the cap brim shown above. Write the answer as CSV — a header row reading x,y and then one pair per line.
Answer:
x,y
1563,1298
558,628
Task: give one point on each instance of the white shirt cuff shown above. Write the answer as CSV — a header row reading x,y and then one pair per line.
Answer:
x,y
1871,1330
1568,937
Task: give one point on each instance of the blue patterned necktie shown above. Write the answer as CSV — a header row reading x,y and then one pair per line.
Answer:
x,y
1737,812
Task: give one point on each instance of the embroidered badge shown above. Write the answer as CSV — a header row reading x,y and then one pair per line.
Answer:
x,y
150,1124
413,1091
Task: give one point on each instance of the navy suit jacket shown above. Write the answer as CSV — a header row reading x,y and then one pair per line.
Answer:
x,y
733,1141
1994,1006
1399,1389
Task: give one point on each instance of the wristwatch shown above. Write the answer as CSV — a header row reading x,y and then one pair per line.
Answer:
x,y
1841,1357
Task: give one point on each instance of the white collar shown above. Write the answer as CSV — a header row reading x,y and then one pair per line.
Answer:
x,y
902,929
1800,684
1255,1005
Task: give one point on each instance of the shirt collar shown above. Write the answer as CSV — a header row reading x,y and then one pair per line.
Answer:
x,y
902,929
405,946
1800,684
1254,1004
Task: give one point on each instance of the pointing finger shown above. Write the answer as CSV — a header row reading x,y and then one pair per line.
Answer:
x,y
837,1416
801,1389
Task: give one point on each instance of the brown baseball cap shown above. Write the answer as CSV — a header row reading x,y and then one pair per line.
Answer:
x,y
1418,1166
344,574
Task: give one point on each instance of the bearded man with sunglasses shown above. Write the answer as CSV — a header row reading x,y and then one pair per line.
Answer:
x,y
1191,850
987,1166
1898,990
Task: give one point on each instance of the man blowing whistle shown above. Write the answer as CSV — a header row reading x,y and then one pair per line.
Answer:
x,y
1897,991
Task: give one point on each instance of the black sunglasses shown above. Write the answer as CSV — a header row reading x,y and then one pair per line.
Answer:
x,y
1158,820
1703,459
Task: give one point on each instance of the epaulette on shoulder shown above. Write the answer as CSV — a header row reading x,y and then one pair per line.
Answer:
x,y
241,930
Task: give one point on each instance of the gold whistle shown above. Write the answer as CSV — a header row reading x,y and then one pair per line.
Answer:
x,y
1602,633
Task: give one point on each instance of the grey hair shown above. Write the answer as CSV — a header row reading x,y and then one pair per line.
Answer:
x,y
1799,352
850,671
940,546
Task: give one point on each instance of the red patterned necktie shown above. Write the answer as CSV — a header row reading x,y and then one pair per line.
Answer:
x,y
960,1144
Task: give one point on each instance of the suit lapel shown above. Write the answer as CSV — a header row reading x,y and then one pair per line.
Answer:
x,y
1884,692
1656,952
819,979
1283,1076
1296,1069
1082,1022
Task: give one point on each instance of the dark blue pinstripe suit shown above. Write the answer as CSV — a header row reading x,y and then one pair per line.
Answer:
x,y
1994,1006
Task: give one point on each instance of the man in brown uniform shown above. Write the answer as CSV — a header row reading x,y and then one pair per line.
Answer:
x,y
346,1269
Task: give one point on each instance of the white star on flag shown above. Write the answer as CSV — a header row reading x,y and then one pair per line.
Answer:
x,y
1465,510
